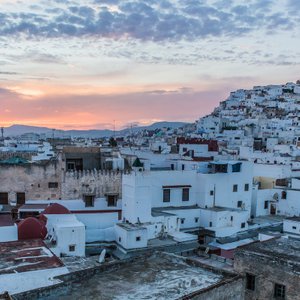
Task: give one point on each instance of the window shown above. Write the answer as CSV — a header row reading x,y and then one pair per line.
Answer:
x,y
239,203
294,227
74,164
20,198
166,195
243,225
196,220
231,218
182,221
279,291
52,185
266,205
210,224
3,198
246,187
221,168
211,193
120,239
283,195
236,168
89,201
111,200
250,282
138,238
185,194
235,188
182,167
71,248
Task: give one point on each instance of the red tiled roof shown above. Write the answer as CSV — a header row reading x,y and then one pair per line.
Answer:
x,y
27,255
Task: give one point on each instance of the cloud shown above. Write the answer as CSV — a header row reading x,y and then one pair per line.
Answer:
x,y
82,111
8,73
148,20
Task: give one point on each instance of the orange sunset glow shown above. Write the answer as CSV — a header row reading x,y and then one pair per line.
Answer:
x,y
95,65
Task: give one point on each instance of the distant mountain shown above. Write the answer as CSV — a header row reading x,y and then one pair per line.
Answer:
x,y
17,130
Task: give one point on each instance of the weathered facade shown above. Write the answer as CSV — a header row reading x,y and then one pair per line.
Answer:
x,y
271,269
50,181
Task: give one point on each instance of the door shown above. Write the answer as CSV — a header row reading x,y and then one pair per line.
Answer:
x,y
273,209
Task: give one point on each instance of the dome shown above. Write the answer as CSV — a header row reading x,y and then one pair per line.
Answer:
x,y
56,209
31,228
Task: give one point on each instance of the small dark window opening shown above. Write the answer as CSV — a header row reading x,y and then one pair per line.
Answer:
x,y
71,248
239,203
20,198
111,200
210,224
235,188
185,194
166,195
3,198
246,187
196,220
243,225
182,221
182,167
236,168
211,193
279,291
89,201
231,218
138,238
294,227
120,239
52,185
266,206
250,282
283,195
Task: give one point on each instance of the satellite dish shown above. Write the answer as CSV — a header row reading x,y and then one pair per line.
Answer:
x,y
276,196
102,256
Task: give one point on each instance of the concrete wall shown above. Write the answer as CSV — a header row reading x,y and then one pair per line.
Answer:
x,y
8,233
291,226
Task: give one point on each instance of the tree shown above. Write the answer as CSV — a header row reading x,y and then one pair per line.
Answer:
x,y
112,142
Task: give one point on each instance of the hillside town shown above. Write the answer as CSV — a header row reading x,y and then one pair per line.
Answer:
x,y
208,210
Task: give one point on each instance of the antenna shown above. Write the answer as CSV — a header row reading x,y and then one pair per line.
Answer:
x,y
114,129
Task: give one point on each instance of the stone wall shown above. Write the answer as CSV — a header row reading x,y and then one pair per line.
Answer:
x,y
94,182
33,180
232,289
267,272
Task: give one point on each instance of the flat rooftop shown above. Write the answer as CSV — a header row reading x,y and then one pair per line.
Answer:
x,y
159,276
27,255
282,250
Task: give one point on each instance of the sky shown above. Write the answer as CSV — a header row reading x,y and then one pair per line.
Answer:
x,y
90,64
